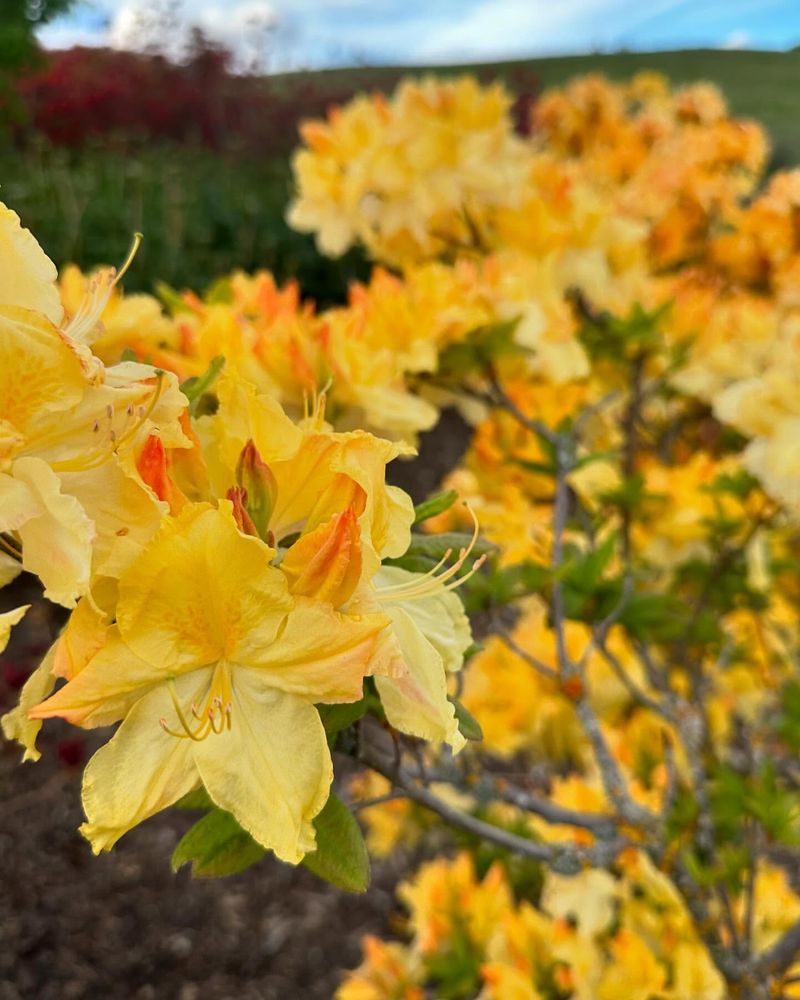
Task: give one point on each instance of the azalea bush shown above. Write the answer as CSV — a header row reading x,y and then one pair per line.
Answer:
x,y
609,299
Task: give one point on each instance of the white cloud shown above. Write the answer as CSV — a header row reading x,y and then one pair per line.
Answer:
x,y
244,28
520,27
736,40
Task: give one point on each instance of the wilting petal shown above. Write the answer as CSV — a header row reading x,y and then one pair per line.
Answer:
x,y
57,540
416,701
271,769
326,563
28,276
16,724
201,592
139,772
320,653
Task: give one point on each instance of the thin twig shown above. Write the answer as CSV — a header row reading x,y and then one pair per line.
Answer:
x,y
564,856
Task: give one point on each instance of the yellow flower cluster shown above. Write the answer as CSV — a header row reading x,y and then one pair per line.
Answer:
x,y
410,176
224,571
675,159
592,936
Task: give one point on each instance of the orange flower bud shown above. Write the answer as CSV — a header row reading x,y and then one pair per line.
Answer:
x,y
238,497
326,563
153,467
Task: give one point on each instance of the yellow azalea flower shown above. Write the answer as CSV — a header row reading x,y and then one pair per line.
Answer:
x,y
409,174
388,824
446,898
214,670
589,899
694,975
634,972
428,637
389,972
504,982
315,473
69,489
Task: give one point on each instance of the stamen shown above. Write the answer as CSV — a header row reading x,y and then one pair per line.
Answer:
x,y
135,244
430,583
214,718
116,440
98,292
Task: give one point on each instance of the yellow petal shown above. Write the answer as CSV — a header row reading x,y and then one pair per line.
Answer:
x,y
104,689
124,513
10,569
310,490
271,769
320,653
139,772
389,512
7,621
416,700
82,638
201,592
57,538
16,724
40,374
28,276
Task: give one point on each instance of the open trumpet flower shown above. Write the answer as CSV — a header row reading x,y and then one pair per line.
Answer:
x,y
214,668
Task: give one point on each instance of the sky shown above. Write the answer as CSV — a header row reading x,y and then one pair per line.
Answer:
x,y
288,34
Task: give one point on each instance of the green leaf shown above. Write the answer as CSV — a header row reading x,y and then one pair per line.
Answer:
x,y
787,724
434,505
434,547
341,856
194,388
196,799
468,725
216,845
479,348
172,299
335,718
219,292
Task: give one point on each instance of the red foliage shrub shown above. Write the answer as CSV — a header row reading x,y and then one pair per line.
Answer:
x,y
87,94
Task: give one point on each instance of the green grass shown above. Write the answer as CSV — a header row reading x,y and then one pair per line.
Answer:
x,y
204,214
